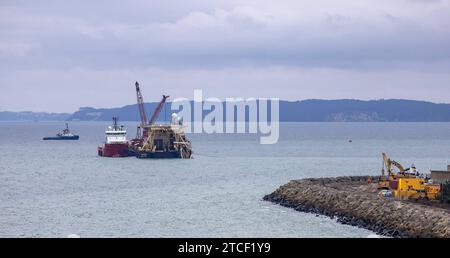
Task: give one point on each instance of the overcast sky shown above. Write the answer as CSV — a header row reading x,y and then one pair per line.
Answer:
x,y
61,55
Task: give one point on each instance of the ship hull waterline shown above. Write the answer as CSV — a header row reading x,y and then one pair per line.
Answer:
x,y
117,150
61,138
159,155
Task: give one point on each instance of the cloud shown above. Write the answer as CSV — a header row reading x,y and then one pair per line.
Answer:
x,y
285,33
76,43
16,49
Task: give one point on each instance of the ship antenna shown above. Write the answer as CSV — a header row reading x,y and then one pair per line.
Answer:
x,y
115,122
66,131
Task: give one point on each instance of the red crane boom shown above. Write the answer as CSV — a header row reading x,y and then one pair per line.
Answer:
x,y
140,101
158,110
143,115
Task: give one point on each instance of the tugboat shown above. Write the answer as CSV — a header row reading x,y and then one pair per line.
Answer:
x,y
64,135
116,144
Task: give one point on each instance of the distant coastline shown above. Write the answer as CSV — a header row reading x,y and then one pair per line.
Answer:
x,y
33,116
313,110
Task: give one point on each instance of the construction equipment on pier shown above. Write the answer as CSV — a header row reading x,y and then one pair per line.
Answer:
x,y
406,183
388,167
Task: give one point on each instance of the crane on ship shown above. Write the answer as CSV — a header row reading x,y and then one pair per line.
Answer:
x,y
141,131
158,141
158,110
143,115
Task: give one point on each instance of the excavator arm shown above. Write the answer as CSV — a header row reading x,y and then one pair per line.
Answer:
x,y
388,163
398,165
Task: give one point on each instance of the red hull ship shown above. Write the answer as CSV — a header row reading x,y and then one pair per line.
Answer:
x,y
116,144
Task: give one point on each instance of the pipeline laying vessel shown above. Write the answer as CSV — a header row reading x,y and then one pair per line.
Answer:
x,y
165,141
159,141
152,140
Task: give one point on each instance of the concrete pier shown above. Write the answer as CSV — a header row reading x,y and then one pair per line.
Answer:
x,y
353,201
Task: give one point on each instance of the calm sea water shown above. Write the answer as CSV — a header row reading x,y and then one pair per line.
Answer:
x,y
53,189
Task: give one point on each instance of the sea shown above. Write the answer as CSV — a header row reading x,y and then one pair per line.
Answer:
x,y
62,188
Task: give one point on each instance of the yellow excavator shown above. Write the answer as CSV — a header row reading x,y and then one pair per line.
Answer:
x,y
388,174
405,183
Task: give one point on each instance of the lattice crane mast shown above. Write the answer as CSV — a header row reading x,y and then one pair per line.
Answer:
x,y
158,110
143,115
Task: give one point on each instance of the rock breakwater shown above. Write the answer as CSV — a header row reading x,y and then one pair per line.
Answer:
x,y
352,200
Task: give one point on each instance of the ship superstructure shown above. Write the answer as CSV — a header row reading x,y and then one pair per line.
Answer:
x,y
116,143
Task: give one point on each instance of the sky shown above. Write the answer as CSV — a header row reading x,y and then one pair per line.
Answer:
x,y
57,56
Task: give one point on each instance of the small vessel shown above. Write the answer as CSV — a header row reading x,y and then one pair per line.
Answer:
x,y
116,144
64,135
